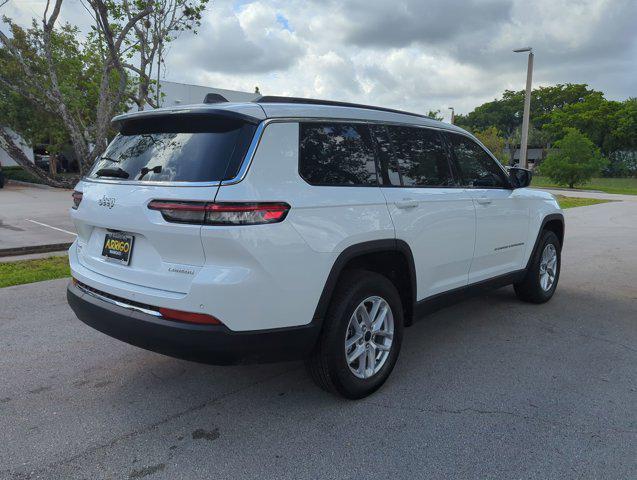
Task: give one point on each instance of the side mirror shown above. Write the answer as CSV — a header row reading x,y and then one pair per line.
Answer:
x,y
520,177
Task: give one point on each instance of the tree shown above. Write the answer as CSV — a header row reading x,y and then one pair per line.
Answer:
x,y
47,97
506,113
596,117
82,83
149,39
623,135
492,138
48,66
436,115
575,161
622,141
610,125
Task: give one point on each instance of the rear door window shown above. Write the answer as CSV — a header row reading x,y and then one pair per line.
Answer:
x,y
184,149
336,154
413,157
389,172
475,165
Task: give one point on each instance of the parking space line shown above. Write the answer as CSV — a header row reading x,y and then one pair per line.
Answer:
x,y
54,228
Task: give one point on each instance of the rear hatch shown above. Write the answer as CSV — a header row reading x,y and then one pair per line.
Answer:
x,y
179,157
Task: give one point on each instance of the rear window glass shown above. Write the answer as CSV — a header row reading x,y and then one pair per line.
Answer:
x,y
336,154
185,149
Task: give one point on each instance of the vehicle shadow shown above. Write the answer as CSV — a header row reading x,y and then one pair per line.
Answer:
x,y
167,381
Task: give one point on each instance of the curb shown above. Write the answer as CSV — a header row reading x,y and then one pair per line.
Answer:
x,y
52,247
574,190
10,181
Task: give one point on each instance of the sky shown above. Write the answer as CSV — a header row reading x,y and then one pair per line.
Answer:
x,y
416,55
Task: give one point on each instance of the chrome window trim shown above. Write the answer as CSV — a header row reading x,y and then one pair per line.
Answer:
x,y
151,184
247,160
154,313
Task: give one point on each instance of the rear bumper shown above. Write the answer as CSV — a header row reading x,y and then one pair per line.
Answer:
x,y
213,344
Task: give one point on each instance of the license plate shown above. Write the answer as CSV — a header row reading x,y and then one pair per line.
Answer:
x,y
118,246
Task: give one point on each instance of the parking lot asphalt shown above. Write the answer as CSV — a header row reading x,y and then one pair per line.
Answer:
x,y
488,388
34,216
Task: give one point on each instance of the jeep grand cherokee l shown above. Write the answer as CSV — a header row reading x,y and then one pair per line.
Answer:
x,y
299,229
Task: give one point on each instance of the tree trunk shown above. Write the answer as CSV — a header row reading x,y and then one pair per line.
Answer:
x,y
18,156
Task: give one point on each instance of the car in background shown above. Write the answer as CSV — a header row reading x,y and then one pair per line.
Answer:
x,y
42,161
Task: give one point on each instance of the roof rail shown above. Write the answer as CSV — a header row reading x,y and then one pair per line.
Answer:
x,y
314,101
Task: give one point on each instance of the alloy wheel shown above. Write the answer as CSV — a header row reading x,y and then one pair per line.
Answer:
x,y
369,337
548,267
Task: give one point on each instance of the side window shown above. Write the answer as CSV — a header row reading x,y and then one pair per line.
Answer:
x,y
419,158
477,168
336,154
389,172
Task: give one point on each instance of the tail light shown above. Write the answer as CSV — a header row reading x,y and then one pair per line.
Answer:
x,y
77,199
220,213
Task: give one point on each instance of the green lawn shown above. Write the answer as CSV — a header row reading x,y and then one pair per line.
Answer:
x,y
29,271
570,202
609,185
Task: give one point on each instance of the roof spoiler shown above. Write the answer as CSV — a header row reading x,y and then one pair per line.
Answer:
x,y
183,113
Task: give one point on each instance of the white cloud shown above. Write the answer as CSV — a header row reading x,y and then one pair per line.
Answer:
x,y
249,40
410,54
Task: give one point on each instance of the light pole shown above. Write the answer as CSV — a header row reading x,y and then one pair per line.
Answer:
x,y
453,115
527,107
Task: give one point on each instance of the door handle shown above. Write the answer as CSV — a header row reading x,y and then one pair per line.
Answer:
x,y
407,203
483,200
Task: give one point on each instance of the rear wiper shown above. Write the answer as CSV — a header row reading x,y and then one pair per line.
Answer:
x,y
145,171
112,172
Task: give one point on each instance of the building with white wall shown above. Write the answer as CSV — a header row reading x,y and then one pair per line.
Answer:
x,y
6,160
184,94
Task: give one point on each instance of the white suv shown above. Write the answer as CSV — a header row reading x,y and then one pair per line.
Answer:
x,y
293,228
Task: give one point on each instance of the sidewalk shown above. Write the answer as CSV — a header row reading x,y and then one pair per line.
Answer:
x,y
34,219
589,194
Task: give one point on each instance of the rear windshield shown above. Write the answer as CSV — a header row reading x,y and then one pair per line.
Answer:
x,y
185,149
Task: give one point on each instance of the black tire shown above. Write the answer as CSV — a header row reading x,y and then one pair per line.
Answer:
x,y
327,364
530,289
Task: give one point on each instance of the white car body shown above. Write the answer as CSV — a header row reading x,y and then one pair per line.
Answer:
x,y
272,277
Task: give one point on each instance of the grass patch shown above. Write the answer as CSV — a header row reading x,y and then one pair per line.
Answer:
x,y
29,271
570,202
627,186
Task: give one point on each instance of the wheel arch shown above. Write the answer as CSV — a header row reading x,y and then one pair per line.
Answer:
x,y
379,256
553,222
